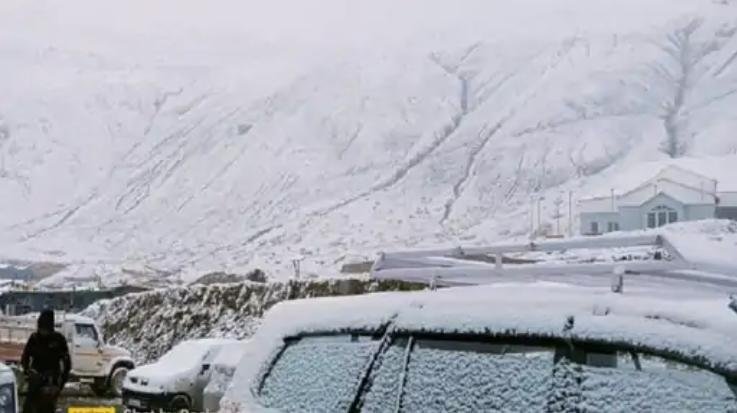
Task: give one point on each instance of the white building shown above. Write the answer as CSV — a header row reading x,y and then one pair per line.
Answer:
x,y
674,194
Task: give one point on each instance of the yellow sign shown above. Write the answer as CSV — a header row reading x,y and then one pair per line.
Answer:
x,y
90,409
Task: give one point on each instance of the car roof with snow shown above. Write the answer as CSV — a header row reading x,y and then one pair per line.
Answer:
x,y
677,319
230,353
190,351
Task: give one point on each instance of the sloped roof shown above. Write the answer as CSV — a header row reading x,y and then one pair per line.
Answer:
x,y
675,190
640,195
717,170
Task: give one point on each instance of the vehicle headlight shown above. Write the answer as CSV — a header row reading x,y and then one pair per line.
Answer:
x,y
7,398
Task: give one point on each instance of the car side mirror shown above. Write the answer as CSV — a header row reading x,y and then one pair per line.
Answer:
x,y
205,368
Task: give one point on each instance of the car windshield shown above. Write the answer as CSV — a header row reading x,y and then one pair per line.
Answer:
x,y
437,375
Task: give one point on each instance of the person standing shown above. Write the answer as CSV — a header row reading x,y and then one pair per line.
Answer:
x,y
46,364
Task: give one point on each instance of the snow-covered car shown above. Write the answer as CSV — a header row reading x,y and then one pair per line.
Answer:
x,y
177,380
223,368
8,390
661,346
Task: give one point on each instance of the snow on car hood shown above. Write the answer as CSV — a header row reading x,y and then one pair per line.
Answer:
x,y
116,351
176,370
683,319
152,378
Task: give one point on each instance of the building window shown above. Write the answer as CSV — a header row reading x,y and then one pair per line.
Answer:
x,y
672,216
594,227
612,226
661,215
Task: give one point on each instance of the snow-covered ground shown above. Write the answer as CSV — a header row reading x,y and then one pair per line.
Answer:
x,y
186,136
709,245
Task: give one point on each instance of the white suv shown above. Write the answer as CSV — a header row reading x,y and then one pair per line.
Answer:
x,y
662,346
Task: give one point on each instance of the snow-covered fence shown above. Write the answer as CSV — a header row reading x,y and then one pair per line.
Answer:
x,y
459,266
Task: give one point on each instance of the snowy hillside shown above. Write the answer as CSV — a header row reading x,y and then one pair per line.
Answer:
x,y
188,136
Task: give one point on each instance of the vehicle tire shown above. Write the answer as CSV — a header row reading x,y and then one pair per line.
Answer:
x,y
180,403
116,379
112,385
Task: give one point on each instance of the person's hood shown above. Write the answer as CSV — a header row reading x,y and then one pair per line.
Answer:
x,y
46,320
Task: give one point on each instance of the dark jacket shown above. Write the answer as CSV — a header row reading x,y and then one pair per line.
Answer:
x,y
47,355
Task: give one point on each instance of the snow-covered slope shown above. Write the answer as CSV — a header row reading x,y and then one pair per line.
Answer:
x,y
194,136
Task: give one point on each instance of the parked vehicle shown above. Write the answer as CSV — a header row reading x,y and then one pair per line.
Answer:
x,y
94,362
662,346
223,368
177,380
8,390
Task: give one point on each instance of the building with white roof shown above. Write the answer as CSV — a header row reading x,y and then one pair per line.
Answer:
x,y
673,194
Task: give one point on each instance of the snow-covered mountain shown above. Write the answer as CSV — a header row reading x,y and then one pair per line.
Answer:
x,y
190,136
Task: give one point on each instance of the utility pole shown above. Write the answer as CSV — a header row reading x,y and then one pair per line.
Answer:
x,y
570,214
558,213
613,206
532,217
539,211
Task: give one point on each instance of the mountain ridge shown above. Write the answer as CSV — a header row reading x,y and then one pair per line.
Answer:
x,y
366,128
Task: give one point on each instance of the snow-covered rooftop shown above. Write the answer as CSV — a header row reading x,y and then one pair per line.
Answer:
x,y
688,170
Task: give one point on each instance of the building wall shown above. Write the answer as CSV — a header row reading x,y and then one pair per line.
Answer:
x,y
696,212
601,218
630,218
726,213
661,199
635,217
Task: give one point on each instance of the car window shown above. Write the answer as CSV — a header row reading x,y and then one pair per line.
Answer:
x,y
447,375
383,391
437,375
318,374
648,383
85,333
